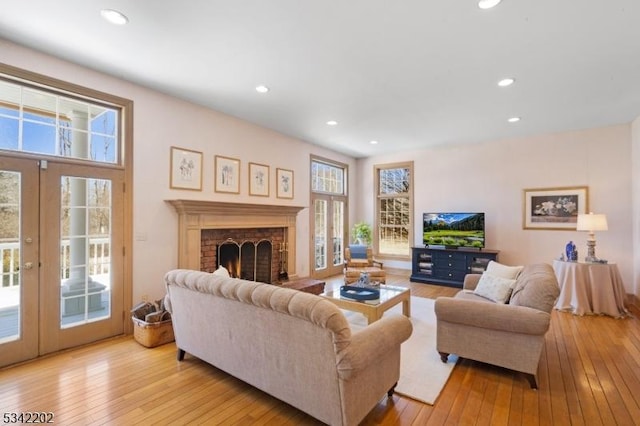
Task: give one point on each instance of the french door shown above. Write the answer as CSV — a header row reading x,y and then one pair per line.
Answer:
x,y
329,218
61,239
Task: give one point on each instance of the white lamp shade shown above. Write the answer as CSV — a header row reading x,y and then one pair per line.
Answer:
x,y
592,222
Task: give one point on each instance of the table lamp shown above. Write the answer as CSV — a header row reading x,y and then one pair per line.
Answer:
x,y
591,223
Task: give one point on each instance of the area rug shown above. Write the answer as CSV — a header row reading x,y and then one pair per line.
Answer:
x,y
422,373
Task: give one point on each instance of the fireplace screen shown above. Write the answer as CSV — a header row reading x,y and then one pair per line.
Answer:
x,y
249,260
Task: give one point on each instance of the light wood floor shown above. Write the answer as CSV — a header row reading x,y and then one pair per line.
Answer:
x,y
589,374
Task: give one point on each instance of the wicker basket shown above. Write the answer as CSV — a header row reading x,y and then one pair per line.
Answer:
x,y
152,334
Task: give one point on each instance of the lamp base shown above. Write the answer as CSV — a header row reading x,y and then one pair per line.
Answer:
x,y
591,251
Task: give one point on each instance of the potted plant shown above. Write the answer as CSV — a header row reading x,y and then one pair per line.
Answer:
x,y
361,232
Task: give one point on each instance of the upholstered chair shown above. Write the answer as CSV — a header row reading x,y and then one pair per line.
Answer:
x,y
358,259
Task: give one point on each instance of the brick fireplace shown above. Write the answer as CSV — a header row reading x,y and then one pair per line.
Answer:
x,y
254,254
202,222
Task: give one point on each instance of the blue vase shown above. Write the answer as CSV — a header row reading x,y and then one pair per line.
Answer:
x,y
570,249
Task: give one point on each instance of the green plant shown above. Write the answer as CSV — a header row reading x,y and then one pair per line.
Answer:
x,y
362,231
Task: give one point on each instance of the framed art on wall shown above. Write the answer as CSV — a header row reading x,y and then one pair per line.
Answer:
x,y
227,174
185,169
554,208
258,179
284,183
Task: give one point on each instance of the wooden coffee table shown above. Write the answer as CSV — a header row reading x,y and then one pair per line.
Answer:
x,y
308,285
389,297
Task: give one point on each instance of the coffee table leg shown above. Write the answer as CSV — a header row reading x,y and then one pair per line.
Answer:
x,y
406,307
372,317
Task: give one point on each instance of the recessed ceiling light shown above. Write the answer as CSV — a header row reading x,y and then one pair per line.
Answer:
x,y
488,4
262,89
373,142
506,82
513,119
332,123
114,17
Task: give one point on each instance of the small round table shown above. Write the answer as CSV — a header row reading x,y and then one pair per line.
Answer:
x,y
590,288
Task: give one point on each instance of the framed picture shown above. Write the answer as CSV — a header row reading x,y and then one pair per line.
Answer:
x,y
258,179
185,169
554,208
284,183
227,174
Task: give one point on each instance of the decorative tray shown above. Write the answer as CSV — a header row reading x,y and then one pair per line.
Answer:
x,y
359,293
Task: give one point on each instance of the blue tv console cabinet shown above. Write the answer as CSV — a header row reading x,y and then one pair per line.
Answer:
x,y
448,266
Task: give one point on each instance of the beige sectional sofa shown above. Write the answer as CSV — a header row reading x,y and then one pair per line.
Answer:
x,y
509,335
293,345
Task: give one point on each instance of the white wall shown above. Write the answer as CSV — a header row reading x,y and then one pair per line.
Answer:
x,y
161,121
635,161
491,176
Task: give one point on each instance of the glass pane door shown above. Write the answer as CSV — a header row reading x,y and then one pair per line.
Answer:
x,y
85,277
82,257
338,233
328,235
320,234
19,255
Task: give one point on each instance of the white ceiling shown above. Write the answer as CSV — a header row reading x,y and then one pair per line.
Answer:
x,y
407,73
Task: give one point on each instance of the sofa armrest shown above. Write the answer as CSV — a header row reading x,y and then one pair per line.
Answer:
x,y
492,316
471,281
372,343
377,263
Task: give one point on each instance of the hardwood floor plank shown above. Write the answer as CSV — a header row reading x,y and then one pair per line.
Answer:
x,y
589,374
472,405
500,413
552,395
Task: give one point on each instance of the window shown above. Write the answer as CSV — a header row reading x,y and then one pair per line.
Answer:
x,y
394,207
42,122
327,178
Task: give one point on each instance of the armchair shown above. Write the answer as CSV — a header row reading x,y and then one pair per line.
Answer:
x,y
358,259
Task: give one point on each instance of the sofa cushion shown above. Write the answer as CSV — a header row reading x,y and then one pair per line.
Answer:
x,y
536,287
504,271
358,251
495,288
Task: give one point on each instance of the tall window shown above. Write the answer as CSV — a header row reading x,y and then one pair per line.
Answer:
x,y
394,208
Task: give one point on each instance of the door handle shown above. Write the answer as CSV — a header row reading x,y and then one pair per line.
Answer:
x,y
28,265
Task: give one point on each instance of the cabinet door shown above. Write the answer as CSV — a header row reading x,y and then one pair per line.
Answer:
x,y
477,264
423,262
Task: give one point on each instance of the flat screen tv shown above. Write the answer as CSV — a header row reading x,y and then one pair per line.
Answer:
x,y
453,230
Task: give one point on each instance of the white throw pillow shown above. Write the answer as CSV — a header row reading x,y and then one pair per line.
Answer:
x,y
504,271
222,271
495,288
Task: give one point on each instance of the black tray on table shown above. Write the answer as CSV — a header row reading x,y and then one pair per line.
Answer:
x,y
359,293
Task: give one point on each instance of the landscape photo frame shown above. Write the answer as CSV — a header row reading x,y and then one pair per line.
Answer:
x,y
284,183
258,179
185,169
227,177
554,208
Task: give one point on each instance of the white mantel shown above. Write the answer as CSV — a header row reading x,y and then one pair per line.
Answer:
x,y
194,216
